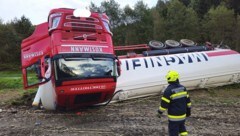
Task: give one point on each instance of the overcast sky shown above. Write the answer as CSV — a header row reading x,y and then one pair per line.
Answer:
x,y
37,10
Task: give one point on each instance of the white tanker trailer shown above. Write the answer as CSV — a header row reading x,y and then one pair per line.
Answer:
x,y
145,75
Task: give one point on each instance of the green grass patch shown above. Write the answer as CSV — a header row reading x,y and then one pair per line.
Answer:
x,y
5,74
11,89
10,83
224,95
10,80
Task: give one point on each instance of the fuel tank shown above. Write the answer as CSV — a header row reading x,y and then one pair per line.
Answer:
x,y
144,76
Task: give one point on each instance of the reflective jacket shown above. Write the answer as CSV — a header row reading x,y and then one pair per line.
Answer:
x,y
177,101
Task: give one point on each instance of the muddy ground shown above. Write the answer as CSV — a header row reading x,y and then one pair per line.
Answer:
x,y
215,112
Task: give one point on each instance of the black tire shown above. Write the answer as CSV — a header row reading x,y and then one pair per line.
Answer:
x,y
172,43
157,45
187,42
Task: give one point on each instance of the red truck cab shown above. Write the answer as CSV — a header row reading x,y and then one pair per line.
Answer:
x,y
84,68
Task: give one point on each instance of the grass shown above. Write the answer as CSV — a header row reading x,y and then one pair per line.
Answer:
x,y
8,74
11,89
224,95
10,83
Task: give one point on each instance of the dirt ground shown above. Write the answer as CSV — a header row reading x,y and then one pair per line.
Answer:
x,y
215,112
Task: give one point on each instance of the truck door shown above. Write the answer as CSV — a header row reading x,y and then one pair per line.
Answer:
x,y
35,73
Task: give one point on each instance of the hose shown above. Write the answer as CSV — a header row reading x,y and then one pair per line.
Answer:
x,y
106,103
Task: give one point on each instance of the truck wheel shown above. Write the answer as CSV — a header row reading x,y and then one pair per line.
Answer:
x,y
172,43
156,45
187,42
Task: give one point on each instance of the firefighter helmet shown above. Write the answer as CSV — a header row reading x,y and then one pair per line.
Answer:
x,y
172,76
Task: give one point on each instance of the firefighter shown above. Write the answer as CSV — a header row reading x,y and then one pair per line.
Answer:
x,y
177,102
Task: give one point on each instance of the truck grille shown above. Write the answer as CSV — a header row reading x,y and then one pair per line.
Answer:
x,y
87,98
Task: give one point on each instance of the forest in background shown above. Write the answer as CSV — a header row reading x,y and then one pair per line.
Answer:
x,y
199,20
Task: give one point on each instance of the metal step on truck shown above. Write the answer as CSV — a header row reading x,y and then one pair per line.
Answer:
x,y
72,60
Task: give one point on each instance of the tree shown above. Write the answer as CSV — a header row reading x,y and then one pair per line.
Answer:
x,y
185,2
114,12
161,7
144,23
220,25
179,22
23,27
122,33
237,34
94,8
159,26
9,43
201,7
129,16
137,26
233,4
11,35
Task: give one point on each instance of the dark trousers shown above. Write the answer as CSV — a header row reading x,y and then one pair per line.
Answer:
x,y
176,127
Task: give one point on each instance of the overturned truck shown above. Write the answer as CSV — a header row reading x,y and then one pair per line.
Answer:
x,y
73,61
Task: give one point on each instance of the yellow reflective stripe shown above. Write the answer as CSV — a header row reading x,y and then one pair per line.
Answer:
x,y
187,95
162,109
184,133
178,94
177,117
189,104
165,99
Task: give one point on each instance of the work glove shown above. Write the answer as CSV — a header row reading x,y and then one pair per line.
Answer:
x,y
188,112
159,114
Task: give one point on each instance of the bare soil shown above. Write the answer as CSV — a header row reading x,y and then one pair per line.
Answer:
x,y
215,112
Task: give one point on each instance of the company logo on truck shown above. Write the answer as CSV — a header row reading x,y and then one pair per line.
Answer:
x,y
159,61
86,49
31,55
83,48
88,87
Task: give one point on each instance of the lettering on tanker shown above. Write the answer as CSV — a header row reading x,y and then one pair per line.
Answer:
x,y
136,63
159,61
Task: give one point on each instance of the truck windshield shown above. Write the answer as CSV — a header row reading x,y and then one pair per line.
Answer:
x,y
68,68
